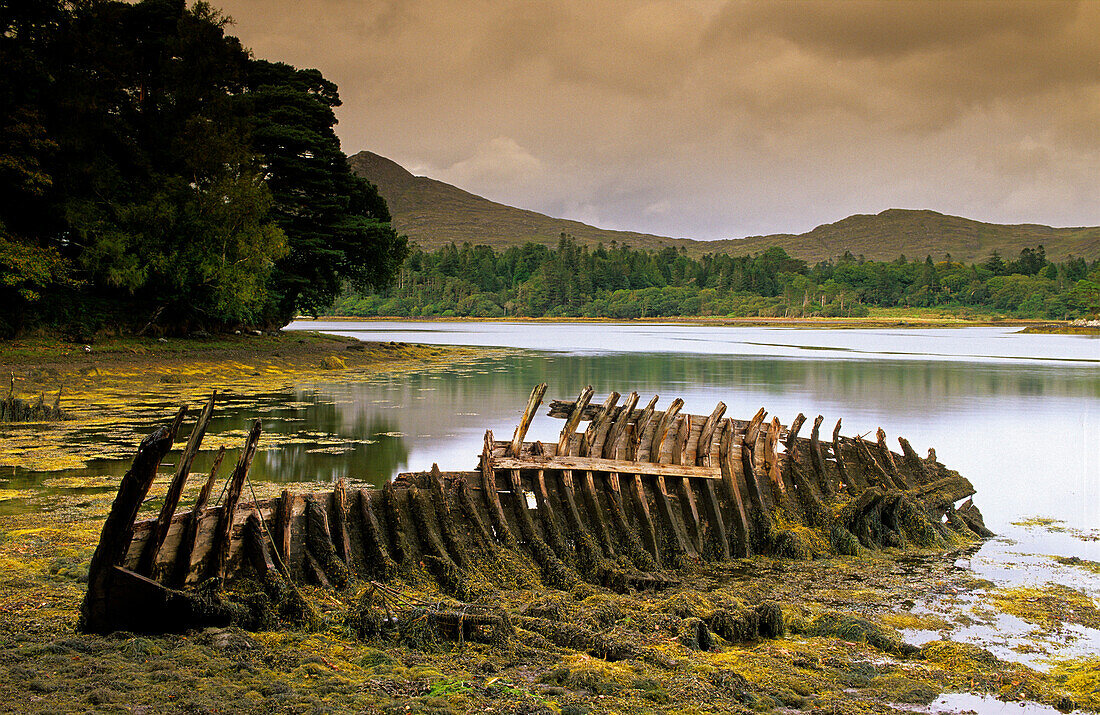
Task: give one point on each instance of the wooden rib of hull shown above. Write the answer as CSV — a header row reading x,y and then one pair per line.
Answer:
x,y
655,486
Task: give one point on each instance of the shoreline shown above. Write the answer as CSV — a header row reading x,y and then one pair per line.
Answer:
x,y
831,323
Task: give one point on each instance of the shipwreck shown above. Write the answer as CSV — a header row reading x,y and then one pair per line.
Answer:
x,y
633,500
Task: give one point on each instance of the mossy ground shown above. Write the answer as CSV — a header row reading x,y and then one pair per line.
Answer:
x,y
841,652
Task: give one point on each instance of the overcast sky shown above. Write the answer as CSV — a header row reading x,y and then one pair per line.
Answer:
x,y
715,119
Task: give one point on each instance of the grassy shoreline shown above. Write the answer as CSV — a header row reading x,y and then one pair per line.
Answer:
x,y
873,321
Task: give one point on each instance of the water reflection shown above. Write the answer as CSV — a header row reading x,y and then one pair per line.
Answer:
x,y
1024,431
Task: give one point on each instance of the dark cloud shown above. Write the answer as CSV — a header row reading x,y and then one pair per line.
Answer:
x,y
709,118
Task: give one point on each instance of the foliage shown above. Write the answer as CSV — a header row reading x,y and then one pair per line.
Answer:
x,y
153,172
622,283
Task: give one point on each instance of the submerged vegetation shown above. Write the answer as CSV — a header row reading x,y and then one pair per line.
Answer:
x,y
622,283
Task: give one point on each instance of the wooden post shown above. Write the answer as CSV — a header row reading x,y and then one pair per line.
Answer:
x,y
733,490
339,512
117,532
771,458
223,537
574,419
596,433
887,458
283,514
492,497
640,427
818,463
182,569
619,427
175,490
533,403
707,435
846,481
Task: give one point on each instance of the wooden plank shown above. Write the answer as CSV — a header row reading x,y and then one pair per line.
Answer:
x,y
222,539
618,428
748,466
816,460
660,433
591,498
570,426
640,426
682,455
845,480
606,465
489,490
649,532
714,516
873,468
114,539
548,516
283,515
533,403
339,511
375,542
147,562
733,491
664,506
707,434
596,434
190,537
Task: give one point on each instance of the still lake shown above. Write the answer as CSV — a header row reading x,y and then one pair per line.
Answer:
x,y
1019,415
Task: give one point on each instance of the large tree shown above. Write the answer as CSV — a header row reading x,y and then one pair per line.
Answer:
x,y
153,173
337,225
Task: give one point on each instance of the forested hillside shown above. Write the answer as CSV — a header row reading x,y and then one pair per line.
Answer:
x,y
433,214
156,177
617,281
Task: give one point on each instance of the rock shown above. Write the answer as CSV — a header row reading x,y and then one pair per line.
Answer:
x,y
200,334
332,362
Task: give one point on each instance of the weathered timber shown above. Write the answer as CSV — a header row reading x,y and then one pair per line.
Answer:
x,y
175,490
222,540
492,497
533,403
96,615
729,477
182,570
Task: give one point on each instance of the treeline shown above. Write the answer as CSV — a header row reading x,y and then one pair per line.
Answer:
x,y
155,176
619,282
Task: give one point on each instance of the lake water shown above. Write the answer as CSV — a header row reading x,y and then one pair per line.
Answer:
x,y
1019,415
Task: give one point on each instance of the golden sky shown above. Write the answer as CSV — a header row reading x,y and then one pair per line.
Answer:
x,y
714,118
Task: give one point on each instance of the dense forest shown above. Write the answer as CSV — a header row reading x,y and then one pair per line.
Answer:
x,y
154,176
619,282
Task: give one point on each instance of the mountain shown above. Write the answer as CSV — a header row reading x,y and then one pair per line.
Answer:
x,y
432,213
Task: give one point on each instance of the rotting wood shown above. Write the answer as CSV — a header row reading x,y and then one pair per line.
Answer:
x,y
733,490
570,427
432,518
179,574
618,428
529,412
845,480
492,497
175,490
222,540
816,459
339,512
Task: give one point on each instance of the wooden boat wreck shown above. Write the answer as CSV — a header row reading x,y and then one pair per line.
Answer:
x,y
631,502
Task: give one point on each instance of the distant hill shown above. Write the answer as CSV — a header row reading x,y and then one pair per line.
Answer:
x,y
432,213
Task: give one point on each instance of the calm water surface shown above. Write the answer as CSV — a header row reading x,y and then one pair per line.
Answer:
x,y
1019,415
